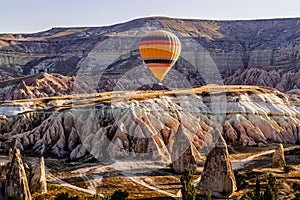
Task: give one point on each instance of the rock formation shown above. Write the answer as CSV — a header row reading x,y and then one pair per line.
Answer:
x,y
254,117
283,81
17,177
16,180
184,154
38,179
218,175
236,47
278,159
38,86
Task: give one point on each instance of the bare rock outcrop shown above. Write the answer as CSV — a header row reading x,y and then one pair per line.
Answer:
x,y
218,175
38,86
16,179
281,80
38,179
278,159
135,128
184,154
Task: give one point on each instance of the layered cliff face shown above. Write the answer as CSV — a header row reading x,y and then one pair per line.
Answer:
x,y
147,124
272,46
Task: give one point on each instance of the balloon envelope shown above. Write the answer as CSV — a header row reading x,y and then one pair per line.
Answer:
x,y
160,50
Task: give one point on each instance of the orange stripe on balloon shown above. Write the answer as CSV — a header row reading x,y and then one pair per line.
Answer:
x,y
157,53
158,42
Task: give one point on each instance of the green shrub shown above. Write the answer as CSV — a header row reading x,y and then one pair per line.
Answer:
x,y
296,186
65,196
14,197
248,196
241,180
119,195
187,188
297,196
99,197
288,168
208,195
271,192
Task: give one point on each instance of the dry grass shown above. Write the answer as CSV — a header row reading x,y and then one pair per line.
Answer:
x,y
119,96
262,166
53,190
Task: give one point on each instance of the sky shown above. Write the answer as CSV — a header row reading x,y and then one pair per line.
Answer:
x,y
27,16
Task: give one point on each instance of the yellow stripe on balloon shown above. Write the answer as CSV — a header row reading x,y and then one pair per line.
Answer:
x,y
157,53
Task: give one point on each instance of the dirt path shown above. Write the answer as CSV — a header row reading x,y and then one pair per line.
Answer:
x,y
131,175
238,164
135,168
54,180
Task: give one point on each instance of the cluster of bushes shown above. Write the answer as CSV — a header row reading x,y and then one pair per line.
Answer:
x,y
270,193
296,188
189,193
117,195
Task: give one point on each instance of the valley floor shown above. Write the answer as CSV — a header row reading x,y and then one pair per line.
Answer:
x,y
144,180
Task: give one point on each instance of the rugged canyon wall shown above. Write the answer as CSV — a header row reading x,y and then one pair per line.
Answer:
x,y
153,128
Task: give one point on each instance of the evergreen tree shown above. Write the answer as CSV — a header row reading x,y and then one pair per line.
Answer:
x,y
257,189
268,194
187,188
120,195
208,195
271,192
248,196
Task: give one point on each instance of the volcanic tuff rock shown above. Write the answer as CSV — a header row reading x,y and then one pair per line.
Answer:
x,y
266,51
283,80
278,159
16,180
17,176
37,86
184,154
217,175
145,124
38,179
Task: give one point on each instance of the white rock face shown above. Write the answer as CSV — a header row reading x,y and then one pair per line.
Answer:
x,y
278,159
16,180
145,128
218,175
38,180
184,154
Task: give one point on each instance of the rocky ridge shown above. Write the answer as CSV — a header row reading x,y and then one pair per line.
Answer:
x,y
37,86
139,125
236,47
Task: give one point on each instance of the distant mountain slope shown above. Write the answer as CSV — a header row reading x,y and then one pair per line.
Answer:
x,y
269,45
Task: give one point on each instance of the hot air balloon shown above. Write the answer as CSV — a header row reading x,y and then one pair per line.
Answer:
x,y
160,50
